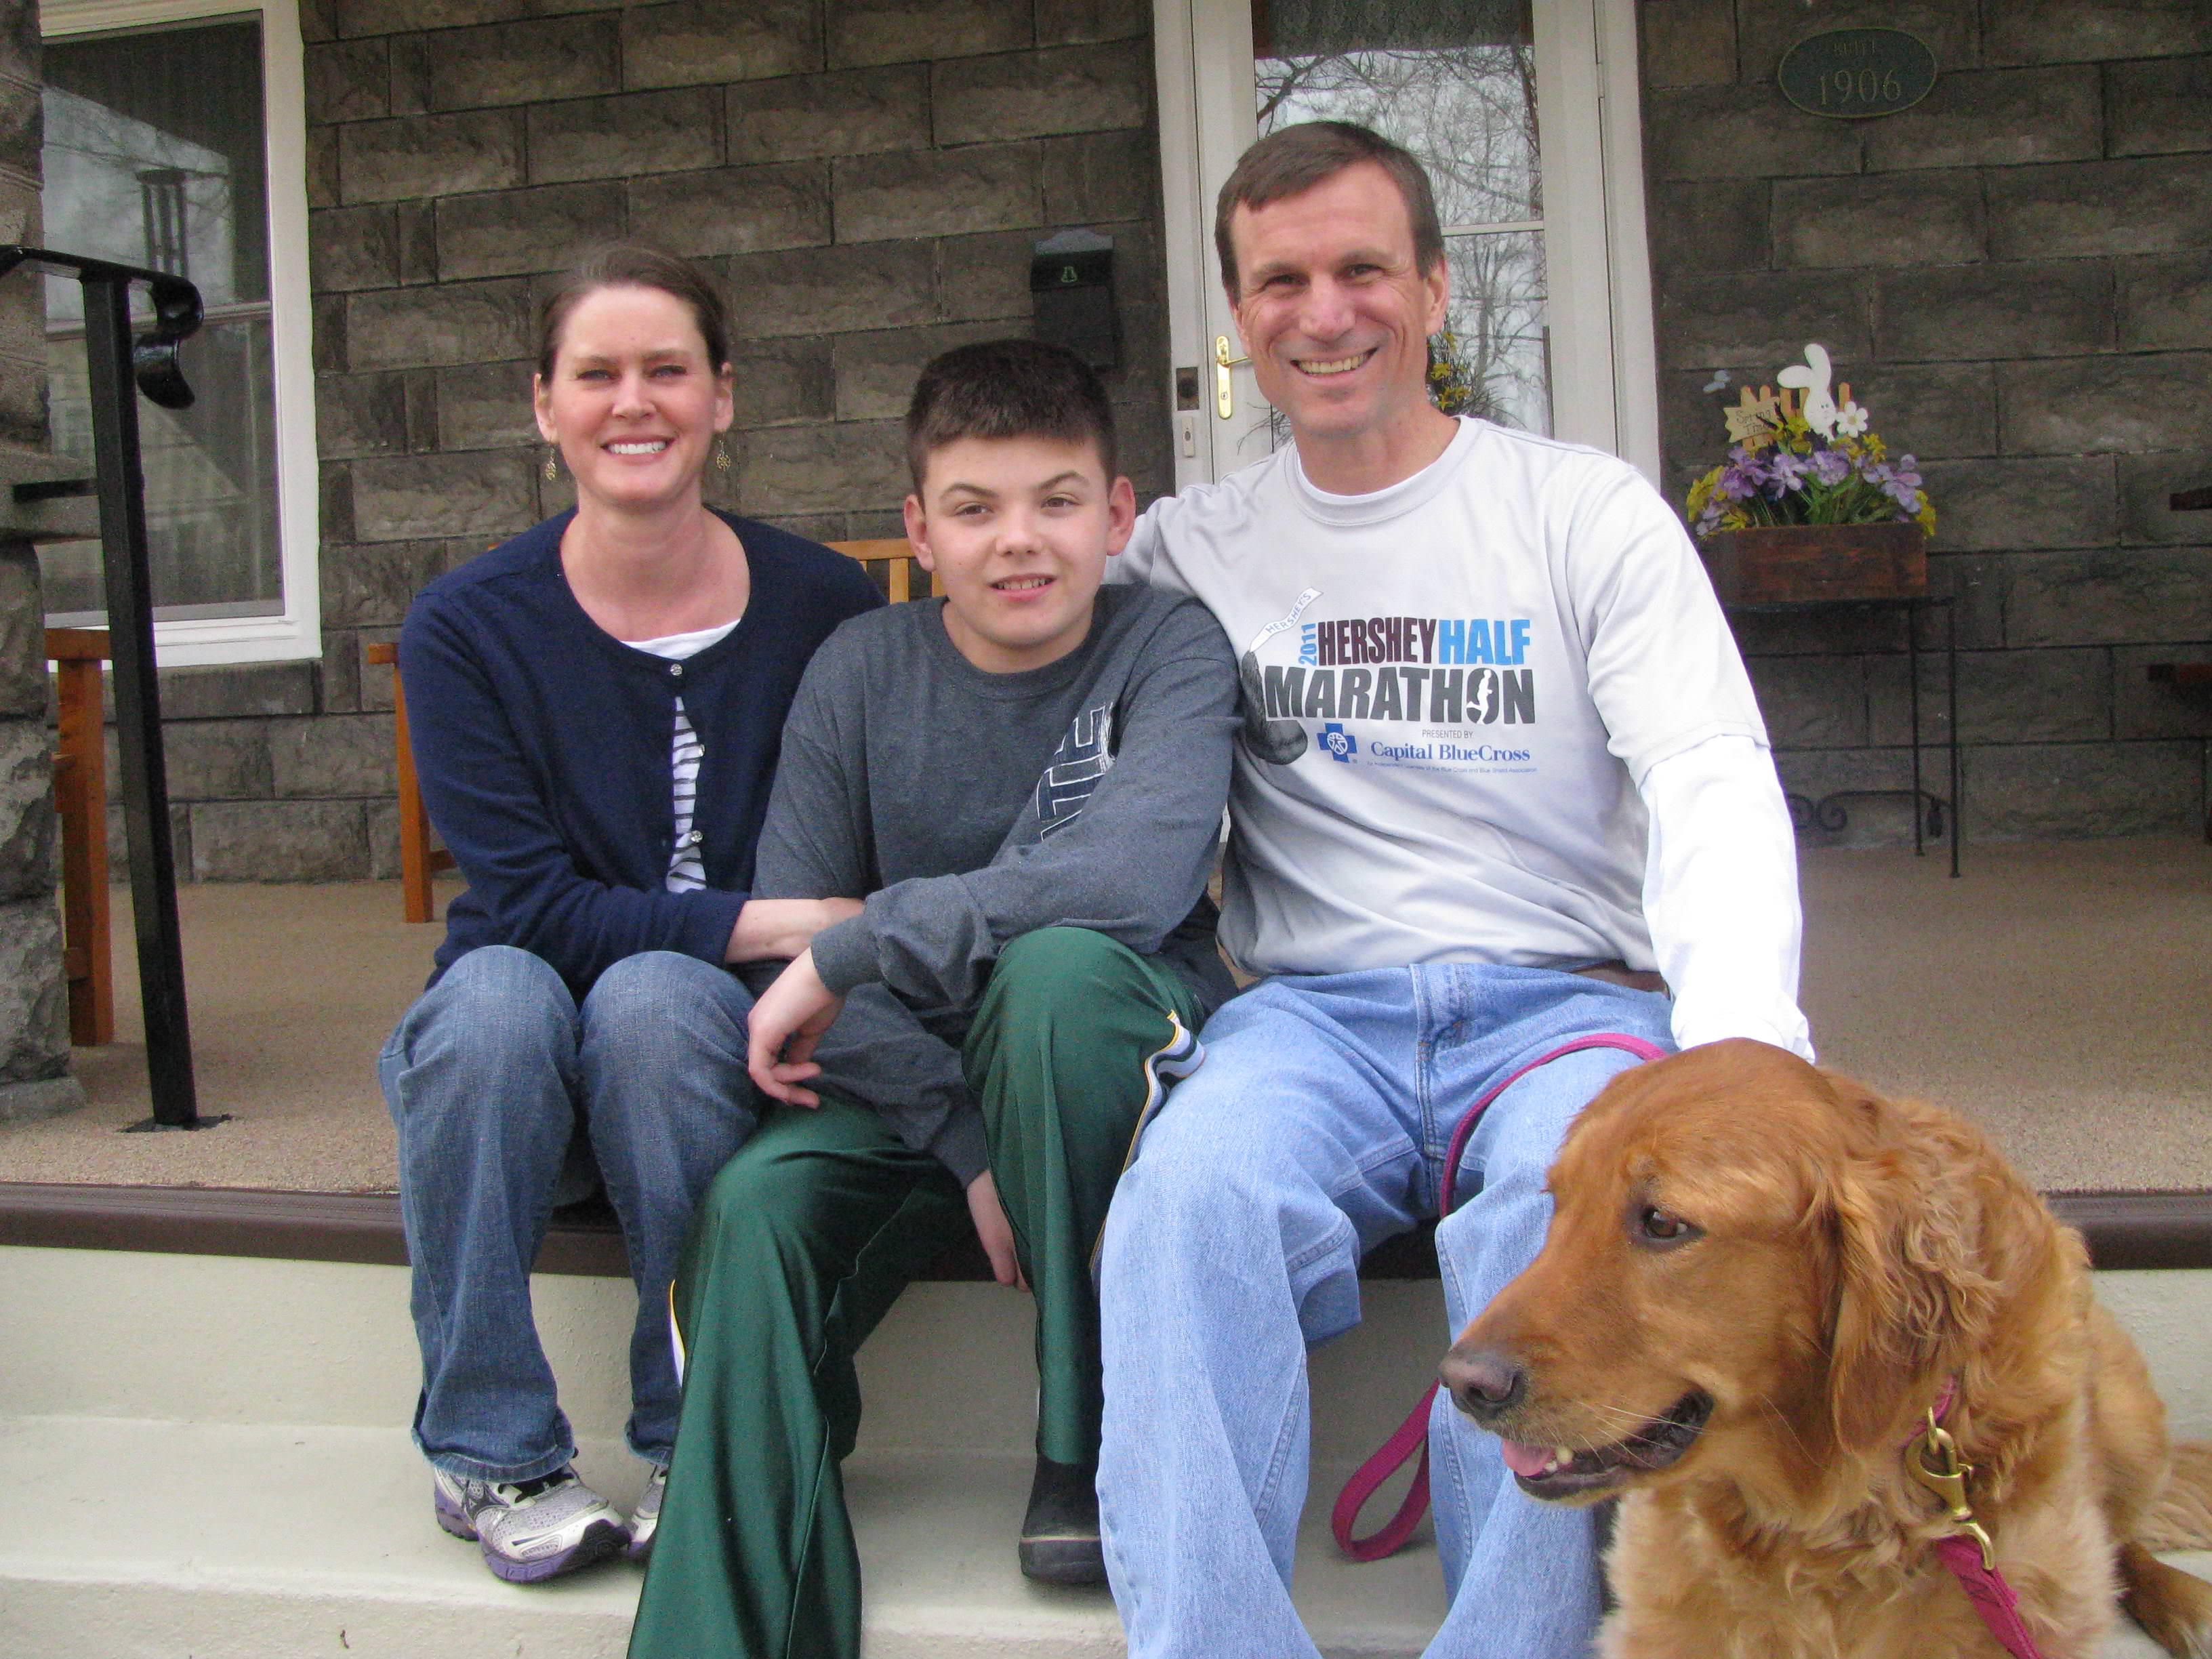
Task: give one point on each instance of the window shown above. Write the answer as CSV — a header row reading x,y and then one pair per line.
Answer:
x,y
175,139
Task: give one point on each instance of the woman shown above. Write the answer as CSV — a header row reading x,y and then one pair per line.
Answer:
x,y
596,707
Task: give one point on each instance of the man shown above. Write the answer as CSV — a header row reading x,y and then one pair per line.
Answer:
x,y
1501,772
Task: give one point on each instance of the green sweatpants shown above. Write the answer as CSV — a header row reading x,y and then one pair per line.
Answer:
x,y
807,1236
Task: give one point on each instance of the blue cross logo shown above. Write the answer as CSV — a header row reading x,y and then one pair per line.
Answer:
x,y
1338,742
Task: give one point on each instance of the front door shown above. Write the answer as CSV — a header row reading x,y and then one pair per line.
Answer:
x,y
1524,111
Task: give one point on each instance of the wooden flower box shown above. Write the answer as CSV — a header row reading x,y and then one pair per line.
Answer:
x,y
1779,563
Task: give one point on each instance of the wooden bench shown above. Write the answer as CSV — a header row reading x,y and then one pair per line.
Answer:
x,y
81,808
418,860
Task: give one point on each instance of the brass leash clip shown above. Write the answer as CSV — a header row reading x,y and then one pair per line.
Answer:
x,y
1947,1481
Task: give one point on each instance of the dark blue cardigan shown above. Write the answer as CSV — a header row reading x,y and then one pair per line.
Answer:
x,y
543,744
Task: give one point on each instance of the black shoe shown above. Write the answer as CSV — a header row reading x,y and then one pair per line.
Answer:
x,y
1059,1534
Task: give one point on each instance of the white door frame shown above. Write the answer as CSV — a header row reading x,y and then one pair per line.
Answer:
x,y
1603,356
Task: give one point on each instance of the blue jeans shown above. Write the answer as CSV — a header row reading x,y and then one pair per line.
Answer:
x,y
1317,1127
489,1076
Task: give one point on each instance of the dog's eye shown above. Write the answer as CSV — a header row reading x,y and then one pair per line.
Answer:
x,y
1657,1226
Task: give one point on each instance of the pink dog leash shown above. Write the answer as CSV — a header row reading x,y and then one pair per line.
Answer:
x,y
1968,1553
1413,1434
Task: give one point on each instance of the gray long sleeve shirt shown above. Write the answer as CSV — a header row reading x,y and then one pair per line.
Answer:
x,y
968,808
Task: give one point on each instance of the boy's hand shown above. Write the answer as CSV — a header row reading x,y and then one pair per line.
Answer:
x,y
786,1022
993,1229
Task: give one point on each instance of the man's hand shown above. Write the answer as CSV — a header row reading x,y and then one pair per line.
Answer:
x,y
993,1229
786,1022
776,930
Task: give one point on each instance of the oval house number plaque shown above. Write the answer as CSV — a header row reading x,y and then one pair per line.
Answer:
x,y
1854,74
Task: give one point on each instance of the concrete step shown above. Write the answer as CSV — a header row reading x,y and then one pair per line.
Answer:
x,y
132,1540
208,1457
155,1540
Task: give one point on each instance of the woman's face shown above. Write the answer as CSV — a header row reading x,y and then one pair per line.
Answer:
x,y
633,405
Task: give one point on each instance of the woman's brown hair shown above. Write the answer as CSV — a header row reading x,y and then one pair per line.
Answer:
x,y
634,264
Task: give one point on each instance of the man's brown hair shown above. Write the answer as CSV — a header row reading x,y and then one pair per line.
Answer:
x,y
1294,160
999,389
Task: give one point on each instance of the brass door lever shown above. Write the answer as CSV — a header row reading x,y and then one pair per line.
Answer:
x,y
1223,405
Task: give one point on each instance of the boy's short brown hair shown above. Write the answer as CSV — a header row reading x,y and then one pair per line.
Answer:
x,y
1007,389
1294,160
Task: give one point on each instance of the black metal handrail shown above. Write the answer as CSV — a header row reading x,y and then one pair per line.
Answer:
x,y
114,360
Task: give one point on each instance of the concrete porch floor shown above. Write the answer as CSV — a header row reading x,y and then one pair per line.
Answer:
x,y
2058,993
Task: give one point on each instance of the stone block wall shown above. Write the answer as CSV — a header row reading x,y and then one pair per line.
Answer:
x,y
2015,276
34,1052
866,177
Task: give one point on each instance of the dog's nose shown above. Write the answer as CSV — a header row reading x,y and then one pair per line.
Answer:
x,y
1486,1382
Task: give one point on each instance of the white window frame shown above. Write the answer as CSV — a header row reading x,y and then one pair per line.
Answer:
x,y
295,632
1605,388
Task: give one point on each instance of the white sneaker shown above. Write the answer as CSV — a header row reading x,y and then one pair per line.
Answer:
x,y
530,1530
645,1519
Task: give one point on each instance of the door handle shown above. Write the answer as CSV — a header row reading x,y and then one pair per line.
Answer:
x,y
1224,406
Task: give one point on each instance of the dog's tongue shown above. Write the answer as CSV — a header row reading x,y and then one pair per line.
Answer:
x,y
1530,1461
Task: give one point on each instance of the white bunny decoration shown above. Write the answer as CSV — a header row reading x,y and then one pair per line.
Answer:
x,y
1819,405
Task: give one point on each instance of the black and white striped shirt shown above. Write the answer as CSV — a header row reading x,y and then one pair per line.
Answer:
x,y
685,872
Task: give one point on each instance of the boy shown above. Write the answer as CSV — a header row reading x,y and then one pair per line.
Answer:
x,y
1024,780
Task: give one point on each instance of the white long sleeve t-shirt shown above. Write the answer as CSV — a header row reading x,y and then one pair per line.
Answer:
x,y
1469,697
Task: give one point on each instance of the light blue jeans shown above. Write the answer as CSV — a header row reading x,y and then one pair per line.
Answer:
x,y
1316,1127
489,1076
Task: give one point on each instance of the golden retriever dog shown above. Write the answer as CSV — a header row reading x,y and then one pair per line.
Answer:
x,y
1760,1279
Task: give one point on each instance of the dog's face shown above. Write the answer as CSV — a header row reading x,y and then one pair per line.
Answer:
x,y
1732,1258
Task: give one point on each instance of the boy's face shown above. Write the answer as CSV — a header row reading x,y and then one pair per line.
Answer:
x,y
1017,531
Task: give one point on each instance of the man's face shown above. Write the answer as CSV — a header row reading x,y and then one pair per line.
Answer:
x,y
1016,532
1333,310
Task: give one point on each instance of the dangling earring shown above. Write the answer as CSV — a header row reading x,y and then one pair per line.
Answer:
x,y
552,467
721,457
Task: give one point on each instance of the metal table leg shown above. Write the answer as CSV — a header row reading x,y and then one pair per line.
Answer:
x,y
1958,773
1912,677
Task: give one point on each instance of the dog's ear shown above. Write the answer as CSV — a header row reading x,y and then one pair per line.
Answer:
x,y
1909,1297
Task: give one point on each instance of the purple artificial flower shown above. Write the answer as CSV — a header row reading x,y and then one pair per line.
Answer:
x,y
1830,467
1900,483
1742,478
1789,471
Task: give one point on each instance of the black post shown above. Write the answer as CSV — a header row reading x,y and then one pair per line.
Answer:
x,y
119,368
139,700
